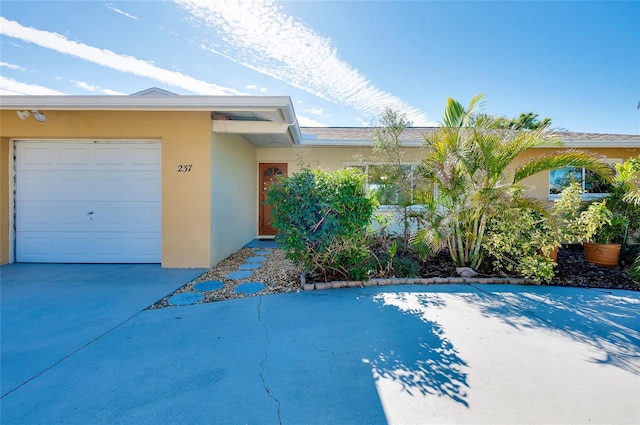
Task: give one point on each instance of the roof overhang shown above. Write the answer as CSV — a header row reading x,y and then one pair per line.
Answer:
x,y
414,137
263,120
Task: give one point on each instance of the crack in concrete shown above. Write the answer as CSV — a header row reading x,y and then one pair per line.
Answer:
x,y
264,360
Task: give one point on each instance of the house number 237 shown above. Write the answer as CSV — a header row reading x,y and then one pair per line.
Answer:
x,y
184,168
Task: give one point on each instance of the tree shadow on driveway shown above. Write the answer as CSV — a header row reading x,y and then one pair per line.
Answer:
x,y
423,359
608,321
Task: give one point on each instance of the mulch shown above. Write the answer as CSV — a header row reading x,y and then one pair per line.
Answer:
x,y
572,270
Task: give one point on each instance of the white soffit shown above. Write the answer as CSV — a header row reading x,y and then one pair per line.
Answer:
x,y
269,120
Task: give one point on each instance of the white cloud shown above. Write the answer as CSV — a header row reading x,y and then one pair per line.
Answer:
x,y
85,86
113,92
308,122
11,86
109,59
254,87
317,111
258,35
11,66
95,89
122,12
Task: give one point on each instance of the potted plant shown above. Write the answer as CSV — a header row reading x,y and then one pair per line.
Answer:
x,y
604,247
571,223
610,240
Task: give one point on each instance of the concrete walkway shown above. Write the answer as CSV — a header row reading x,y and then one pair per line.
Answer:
x,y
454,354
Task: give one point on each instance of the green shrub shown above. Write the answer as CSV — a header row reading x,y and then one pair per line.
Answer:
x,y
515,241
322,218
634,270
405,267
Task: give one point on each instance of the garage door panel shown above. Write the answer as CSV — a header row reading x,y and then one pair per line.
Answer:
x,y
75,186
140,186
45,247
145,157
35,185
144,217
88,156
88,202
138,246
34,156
44,216
120,247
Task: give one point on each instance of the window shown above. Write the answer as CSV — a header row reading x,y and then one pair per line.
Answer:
x,y
592,185
386,183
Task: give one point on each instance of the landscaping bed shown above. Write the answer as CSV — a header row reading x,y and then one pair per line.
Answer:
x,y
571,270
280,275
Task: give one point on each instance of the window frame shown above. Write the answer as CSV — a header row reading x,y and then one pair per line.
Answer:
x,y
358,164
585,195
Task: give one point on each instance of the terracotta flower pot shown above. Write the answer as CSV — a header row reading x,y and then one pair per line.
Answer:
x,y
553,254
602,254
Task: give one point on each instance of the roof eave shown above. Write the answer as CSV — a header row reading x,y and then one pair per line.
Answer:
x,y
158,103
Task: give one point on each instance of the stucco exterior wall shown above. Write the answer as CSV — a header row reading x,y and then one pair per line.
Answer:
x,y
185,139
326,157
335,157
234,194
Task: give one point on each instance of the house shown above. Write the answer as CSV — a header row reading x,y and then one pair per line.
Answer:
x,y
177,180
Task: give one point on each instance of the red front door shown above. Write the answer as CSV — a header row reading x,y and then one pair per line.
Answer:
x,y
268,173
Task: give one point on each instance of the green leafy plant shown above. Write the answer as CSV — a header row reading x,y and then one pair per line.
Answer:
x,y
623,201
519,240
574,224
634,270
469,169
322,219
394,261
395,180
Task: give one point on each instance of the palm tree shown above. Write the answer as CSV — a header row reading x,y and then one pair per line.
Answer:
x,y
470,170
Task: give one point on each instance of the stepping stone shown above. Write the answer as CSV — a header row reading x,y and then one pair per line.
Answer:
x,y
209,285
262,252
240,274
255,260
249,266
249,288
186,298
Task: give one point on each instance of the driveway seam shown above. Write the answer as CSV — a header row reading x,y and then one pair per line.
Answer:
x,y
73,353
264,360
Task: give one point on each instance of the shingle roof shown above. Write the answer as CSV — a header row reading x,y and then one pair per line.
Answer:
x,y
415,134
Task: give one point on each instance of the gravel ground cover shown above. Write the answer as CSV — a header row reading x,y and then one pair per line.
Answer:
x,y
277,273
280,275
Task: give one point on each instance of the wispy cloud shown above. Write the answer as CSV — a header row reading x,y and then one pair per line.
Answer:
x,y
9,86
308,122
109,59
85,86
95,89
113,92
11,66
260,36
122,12
254,87
317,111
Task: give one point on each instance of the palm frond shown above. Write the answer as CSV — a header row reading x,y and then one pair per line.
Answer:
x,y
563,159
457,116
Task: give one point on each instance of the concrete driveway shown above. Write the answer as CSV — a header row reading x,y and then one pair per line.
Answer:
x,y
85,353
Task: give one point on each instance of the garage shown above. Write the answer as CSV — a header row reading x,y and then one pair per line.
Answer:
x,y
87,201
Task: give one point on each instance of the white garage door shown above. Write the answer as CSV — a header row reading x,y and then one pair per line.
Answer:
x,y
88,202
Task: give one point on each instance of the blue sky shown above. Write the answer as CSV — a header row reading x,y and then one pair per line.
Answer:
x,y
341,62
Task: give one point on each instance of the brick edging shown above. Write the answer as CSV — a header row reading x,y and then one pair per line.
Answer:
x,y
415,281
